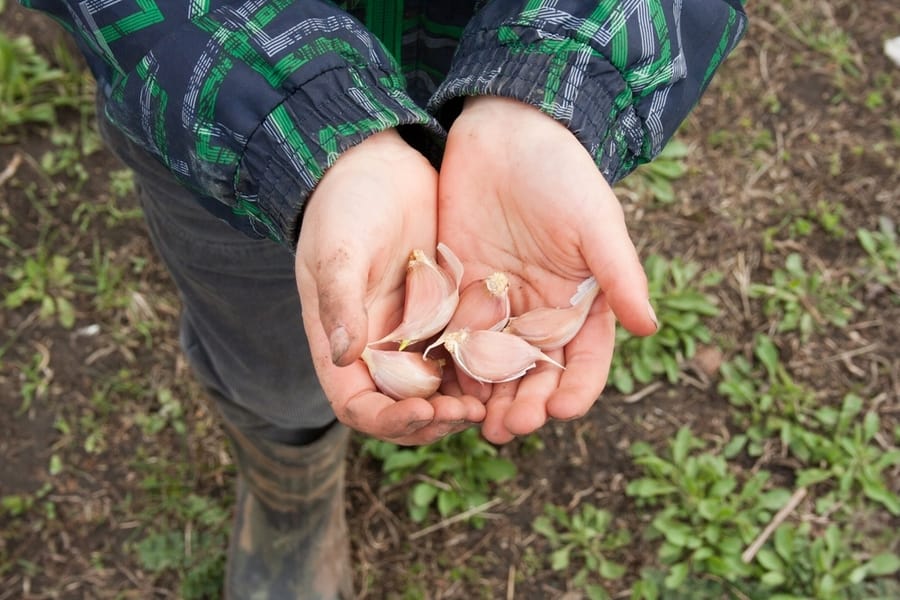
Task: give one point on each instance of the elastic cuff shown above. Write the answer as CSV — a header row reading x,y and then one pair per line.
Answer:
x,y
587,95
302,137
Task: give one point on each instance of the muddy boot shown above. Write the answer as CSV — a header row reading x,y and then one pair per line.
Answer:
x,y
289,540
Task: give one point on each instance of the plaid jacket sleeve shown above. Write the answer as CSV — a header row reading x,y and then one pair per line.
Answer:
x,y
620,74
246,103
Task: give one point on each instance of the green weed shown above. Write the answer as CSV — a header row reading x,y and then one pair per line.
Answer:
x,y
108,396
19,505
838,441
121,183
186,534
110,286
68,156
676,289
655,179
709,513
584,539
829,216
106,210
28,90
804,301
36,377
193,548
457,472
169,414
882,264
821,34
772,404
31,90
44,279
802,222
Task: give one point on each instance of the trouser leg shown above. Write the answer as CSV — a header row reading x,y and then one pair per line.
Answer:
x,y
241,325
242,332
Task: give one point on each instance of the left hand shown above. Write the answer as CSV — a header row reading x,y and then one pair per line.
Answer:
x,y
519,193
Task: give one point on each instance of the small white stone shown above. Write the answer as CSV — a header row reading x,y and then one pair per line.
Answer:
x,y
88,331
892,49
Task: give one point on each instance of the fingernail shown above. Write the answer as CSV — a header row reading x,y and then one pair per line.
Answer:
x,y
340,342
652,315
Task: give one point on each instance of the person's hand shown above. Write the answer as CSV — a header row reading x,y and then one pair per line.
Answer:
x,y
519,193
372,207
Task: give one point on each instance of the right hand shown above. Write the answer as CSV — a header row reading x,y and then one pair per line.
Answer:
x,y
520,194
372,207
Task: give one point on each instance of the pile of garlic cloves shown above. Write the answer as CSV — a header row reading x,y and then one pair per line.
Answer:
x,y
474,326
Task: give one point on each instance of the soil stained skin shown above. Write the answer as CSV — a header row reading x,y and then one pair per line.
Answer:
x,y
108,441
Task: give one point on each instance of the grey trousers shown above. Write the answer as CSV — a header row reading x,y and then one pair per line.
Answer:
x,y
241,327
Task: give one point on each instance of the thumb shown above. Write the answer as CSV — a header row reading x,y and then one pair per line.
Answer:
x,y
613,260
341,284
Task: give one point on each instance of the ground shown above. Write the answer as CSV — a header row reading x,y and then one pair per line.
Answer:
x,y
115,480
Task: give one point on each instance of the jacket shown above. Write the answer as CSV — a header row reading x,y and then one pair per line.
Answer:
x,y
249,102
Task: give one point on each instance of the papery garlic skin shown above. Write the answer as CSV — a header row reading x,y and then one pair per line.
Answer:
x,y
493,356
454,265
402,375
552,328
432,295
483,304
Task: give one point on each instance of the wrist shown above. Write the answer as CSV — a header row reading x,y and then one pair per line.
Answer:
x,y
497,105
387,141
511,117
506,111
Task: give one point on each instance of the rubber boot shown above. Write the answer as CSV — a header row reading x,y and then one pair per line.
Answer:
x,y
290,539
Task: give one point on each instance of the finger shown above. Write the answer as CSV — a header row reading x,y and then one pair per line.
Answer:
x,y
528,411
456,409
613,259
341,282
379,416
451,415
431,434
588,357
474,407
473,387
448,409
357,404
493,428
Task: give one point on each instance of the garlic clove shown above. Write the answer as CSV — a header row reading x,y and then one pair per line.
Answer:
x,y
493,356
432,295
483,304
402,375
552,328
